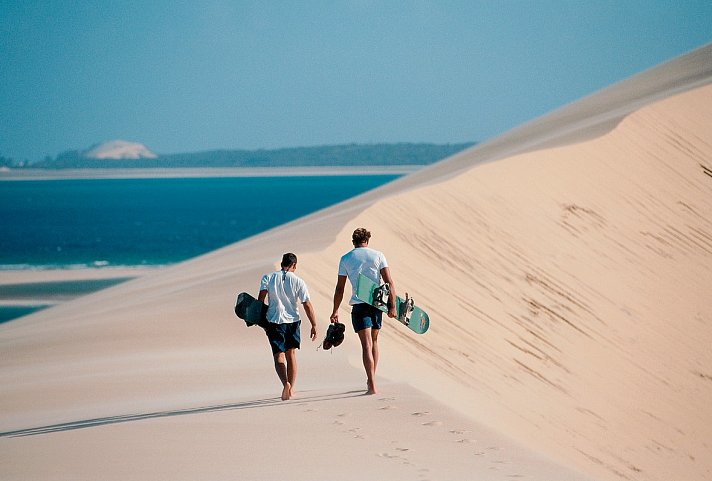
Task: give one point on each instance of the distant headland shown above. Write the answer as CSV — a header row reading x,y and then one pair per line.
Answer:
x,y
120,154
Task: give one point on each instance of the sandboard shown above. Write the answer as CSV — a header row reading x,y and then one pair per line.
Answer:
x,y
409,314
250,310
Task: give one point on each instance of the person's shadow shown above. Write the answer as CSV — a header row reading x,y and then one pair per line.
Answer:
x,y
125,418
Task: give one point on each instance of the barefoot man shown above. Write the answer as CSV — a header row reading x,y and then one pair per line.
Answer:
x,y
284,291
365,318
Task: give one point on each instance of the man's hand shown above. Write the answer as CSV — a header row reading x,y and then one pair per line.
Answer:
x,y
309,309
313,332
386,274
334,317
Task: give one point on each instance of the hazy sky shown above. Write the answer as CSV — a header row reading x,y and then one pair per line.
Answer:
x,y
184,76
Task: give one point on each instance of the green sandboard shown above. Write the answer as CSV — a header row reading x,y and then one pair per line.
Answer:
x,y
417,320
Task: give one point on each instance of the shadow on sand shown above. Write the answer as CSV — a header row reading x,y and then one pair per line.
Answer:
x,y
125,418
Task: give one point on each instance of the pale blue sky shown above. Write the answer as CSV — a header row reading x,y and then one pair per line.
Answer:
x,y
185,76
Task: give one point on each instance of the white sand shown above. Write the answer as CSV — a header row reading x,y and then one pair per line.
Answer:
x,y
568,287
193,172
27,276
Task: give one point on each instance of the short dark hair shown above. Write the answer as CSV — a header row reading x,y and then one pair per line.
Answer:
x,y
360,236
289,259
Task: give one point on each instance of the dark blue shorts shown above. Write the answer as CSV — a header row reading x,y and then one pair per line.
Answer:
x,y
283,337
364,316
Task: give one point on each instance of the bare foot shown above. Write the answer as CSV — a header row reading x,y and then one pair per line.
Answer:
x,y
286,391
371,388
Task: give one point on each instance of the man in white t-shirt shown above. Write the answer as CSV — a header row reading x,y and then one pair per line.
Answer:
x,y
365,318
284,291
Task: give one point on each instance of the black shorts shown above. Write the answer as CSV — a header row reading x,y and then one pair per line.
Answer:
x,y
364,316
283,337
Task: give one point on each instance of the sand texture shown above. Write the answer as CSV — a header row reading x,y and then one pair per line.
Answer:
x,y
567,270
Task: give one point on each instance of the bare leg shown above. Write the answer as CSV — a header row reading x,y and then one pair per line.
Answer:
x,y
374,348
280,365
291,369
369,365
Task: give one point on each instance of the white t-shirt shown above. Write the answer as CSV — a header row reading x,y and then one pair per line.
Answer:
x,y
285,291
362,260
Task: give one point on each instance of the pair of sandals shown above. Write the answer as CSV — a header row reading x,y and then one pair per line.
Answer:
x,y
334,335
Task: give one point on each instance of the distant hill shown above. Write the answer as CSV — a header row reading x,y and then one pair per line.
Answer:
x,y
326,156
119,150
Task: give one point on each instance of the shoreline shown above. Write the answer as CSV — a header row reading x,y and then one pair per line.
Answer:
x,y
36,276
24,291
203,172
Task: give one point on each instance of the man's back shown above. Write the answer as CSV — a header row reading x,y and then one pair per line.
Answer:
x,y
362,260
285,290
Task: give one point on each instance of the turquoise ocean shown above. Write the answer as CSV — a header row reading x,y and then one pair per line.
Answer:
x,y
150,222
105,223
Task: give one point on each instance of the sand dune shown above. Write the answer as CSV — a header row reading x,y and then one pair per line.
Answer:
x,y
566,267
572,292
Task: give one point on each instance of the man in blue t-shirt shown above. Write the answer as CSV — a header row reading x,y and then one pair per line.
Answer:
x,y
365,318
284,291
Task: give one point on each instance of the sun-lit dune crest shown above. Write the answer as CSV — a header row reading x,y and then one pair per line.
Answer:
x,y
583,119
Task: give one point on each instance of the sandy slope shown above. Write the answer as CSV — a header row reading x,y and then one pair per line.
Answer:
x,y
568,286
571,293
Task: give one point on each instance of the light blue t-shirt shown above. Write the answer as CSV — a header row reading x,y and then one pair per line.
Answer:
x,y
362,260
285,290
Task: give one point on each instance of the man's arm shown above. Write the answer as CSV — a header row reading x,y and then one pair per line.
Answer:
x,y
338,297
262,295
386,274
311,315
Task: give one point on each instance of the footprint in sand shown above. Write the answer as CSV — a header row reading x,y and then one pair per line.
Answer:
x,y
460,432
387,399
423,413
388,456
433,423
386,408
398,455
356,433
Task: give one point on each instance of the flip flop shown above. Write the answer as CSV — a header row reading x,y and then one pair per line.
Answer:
x,y
334,335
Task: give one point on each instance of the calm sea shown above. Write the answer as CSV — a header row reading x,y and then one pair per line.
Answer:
x,y
146,222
